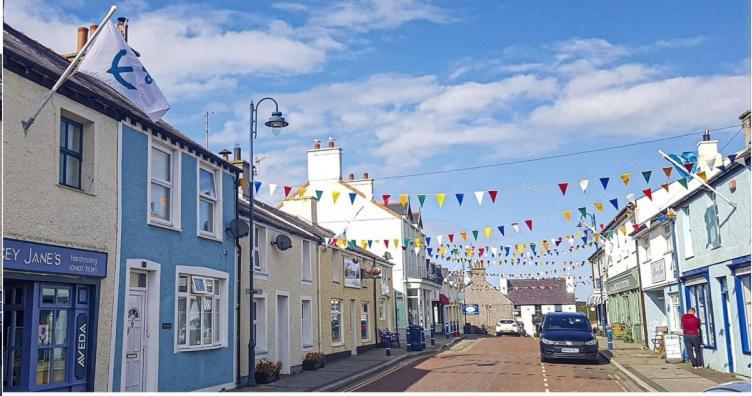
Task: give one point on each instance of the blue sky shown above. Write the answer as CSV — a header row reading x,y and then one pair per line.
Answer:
x,y
410,86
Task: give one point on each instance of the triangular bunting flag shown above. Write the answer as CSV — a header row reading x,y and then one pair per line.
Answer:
x,y
689,166
631,198
403,199
732,158
386,243
583,211
396,243
615,203
683,182
667,171
440,199
421,199
479,197
319,193
516,227
648,193
257,186
529,224
501,230
584,184
563,188
665,186
492,194
335,196
604,182
703,176
460,198
352,198
386,197
625,178
567,215
287,190
599,206
451,238
302,191
272,189
487,231
463,234
475,235
646,175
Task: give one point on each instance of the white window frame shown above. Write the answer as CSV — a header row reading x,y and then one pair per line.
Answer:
x,y
341,340
644,243
174,185
261,327
220,301
260,249
306,332
217,233
667,237
306,266
382,309
712,202
367,314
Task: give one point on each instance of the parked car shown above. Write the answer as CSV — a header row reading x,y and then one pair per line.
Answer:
x,y
567,335
733,386
507,326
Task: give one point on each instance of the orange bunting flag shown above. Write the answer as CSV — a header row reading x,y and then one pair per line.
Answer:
x,y
625,178
403,200
440,199
667,171
335,196
599,206
665,186
463,234
567,215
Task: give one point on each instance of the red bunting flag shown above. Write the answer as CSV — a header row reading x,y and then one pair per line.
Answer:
x,y
648,193
386,243
563,188
603,226
688,166
529,224
480,251
636,227
492,194
451,238
386,197
287,190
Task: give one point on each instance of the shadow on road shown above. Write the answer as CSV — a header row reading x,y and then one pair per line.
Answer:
x,y
407,376
602,360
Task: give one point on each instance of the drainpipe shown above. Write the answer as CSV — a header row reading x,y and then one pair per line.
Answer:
x,y
375,310
641,297
238,287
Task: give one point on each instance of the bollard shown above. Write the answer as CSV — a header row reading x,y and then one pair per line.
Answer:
x,y
433,336
388,351
448,332
609,338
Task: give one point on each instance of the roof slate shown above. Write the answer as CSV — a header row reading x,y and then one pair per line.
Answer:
x,y
536,296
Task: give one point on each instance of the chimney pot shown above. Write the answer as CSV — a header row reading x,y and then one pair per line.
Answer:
x,y
225,154
351,176
82,38
331,142
316,144
365,175
236,153
706,136
93,28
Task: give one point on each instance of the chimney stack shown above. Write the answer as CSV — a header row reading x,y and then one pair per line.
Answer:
x,y
707,153
236,153
324,164
745,117
122,26
331,142
93,28
81,38
225,154
245,166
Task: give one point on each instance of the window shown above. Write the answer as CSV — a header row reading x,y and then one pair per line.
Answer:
x,y
336,321
336,264
306,261
712,223
306,324
209,204
55,305
667,237
538,310
259,323
686,232
163,183
71,153
364,332
382,309
645,248
699,298
744,308
557,307
199,309
259,249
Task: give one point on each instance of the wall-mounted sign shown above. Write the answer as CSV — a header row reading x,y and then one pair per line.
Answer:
x,y
623,282
658,270
352,273
39,257
82,345
470,309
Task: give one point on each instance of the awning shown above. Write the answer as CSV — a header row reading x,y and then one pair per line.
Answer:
x,y
443,300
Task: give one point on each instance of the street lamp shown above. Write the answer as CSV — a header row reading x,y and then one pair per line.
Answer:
x,y
276,122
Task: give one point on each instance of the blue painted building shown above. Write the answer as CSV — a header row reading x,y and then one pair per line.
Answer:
x,y
176,326
713,248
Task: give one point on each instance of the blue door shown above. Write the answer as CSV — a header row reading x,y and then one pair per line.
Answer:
x,y
726,325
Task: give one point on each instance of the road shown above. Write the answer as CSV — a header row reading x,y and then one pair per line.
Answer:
x,y
495,364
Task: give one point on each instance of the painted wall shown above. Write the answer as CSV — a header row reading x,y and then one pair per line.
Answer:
x,y
178,371
37,208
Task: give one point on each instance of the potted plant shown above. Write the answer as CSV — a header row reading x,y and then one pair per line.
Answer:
x,y
314,361
267,371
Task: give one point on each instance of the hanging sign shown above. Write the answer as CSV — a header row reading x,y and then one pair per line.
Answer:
x,y
470,309
352,273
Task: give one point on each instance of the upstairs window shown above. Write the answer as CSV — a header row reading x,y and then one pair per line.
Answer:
x,y
259,249
686,229
209,215
71,153
712,222
164,186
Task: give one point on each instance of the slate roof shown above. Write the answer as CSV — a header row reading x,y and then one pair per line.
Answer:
x,y
529,293
35,62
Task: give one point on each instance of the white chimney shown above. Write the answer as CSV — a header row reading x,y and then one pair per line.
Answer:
x,y
325,164
707,153
364,185
304,208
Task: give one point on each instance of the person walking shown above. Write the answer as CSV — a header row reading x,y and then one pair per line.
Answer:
x,y
692,340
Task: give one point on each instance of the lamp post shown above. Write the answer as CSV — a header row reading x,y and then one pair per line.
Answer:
x,y
276,122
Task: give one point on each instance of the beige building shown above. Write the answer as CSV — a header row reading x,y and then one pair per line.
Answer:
x,y
493,305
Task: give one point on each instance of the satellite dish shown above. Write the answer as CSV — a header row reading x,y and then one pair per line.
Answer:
x,y
387,256
238,228
282,242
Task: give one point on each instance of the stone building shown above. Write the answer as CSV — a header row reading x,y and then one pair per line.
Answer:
x,y
493,305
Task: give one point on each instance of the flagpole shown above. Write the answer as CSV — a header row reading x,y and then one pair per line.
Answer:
x,y
697,178
68,71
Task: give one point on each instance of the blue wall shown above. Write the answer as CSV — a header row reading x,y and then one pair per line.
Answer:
x,y
181,371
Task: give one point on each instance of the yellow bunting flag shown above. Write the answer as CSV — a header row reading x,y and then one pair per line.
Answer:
x,y
417,242
335,196
625,178
487,231
597,237
363,244
623,230
520,248
567,215
546,245
702,175
440,199
598,206
302,192
403,200
463,234
396,243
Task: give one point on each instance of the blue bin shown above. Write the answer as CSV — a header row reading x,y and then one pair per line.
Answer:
x,y
415,341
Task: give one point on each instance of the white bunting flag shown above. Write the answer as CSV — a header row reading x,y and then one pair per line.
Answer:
x,y
272,189
112,61
439,238
479,197
584,184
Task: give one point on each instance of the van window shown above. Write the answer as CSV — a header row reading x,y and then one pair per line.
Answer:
x,y
566,322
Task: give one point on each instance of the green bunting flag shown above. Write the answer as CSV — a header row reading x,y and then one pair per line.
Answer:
x,y
683,182
646,175
319,193
421,199
583,210
475,235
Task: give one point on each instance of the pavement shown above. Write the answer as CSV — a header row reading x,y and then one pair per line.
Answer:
x,y
655,375
342,372
497,364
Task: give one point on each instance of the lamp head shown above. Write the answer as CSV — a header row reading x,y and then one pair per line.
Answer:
x,y
276,122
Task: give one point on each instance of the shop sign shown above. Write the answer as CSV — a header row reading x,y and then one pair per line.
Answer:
x,y
82,345
39,257
672,345
623,282
352,273
470,309
658,270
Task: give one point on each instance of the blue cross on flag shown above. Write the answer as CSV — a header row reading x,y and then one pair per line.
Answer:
x,y
112,61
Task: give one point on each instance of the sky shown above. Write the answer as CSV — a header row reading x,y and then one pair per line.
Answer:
x,y
411,86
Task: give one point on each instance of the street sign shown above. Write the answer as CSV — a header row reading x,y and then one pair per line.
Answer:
x,y
470,309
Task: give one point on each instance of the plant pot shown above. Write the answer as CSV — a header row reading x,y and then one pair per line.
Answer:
x,y
265,378
310,365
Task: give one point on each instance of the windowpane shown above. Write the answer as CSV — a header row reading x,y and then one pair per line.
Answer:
x,y
181,320
215,320
160,201
74,138
43,366
206,216
364,322
72,171
45,327
63,297
138,279
206,183
58,365
48,295
336,320
161,165
207,320
19,329
61,327
183,284
194,322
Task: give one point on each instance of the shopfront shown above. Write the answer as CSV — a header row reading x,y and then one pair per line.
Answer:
x,y
50,316
624,305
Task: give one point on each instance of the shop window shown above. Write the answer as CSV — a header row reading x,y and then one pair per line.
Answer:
x,y
71,153
698,296
364,331
259,323
336,308
199,312
744,308
52,335
209,203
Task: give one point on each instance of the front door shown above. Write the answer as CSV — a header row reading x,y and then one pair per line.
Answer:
x,y
727,328
135,344
353,328
283,333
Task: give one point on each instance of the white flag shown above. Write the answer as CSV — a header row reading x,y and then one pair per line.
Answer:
x,y
112,61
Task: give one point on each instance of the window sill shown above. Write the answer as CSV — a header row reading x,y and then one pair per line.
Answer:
x,y
307,347
63,186
165,226
305,282
261,352
210,237
338,344
260,276
197,349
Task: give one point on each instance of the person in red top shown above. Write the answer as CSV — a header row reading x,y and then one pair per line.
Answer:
x,y
692,340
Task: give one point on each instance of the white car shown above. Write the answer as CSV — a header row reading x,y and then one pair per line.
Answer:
x,y
507,326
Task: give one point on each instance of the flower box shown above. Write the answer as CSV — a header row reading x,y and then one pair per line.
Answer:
x,y
266,378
